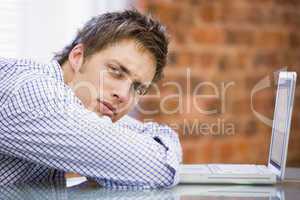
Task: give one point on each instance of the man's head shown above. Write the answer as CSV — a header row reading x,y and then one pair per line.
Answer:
x,y
113,59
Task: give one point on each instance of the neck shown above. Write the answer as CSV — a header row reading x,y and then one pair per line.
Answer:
x,y
67,72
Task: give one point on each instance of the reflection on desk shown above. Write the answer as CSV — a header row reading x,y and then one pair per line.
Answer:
x,y
92,192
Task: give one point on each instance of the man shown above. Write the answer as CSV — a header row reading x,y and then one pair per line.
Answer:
x,y
70,115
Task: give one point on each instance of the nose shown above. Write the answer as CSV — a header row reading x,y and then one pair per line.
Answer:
x,y
121,92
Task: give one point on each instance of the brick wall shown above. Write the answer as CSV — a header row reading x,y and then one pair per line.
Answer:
x,y
222,49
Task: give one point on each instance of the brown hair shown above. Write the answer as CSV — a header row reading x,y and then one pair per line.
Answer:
x,y
109,28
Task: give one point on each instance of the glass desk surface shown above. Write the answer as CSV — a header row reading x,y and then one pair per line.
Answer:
x,y
77,188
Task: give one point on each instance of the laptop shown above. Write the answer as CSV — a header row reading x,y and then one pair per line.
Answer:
x,y
251,173
222,191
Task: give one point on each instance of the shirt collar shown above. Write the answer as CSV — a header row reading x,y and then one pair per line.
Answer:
x,y
56,70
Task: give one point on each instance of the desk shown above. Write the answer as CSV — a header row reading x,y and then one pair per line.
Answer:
x,y
289,189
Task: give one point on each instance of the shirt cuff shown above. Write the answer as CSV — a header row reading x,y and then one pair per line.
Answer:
x,y
172,159
168,138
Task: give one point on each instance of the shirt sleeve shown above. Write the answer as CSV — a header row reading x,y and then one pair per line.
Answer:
x,y
45,123
162,133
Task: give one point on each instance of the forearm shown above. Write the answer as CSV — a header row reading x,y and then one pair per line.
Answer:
x,y
160,132
61,134
128,158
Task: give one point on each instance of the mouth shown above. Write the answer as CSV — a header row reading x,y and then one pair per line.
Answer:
x,y
107,109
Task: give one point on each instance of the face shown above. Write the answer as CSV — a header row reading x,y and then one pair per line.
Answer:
x,y
111,81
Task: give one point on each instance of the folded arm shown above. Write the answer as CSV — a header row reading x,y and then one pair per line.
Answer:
x,y
44,123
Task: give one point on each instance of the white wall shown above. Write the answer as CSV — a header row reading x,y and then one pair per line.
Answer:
x,y
41,27
9,19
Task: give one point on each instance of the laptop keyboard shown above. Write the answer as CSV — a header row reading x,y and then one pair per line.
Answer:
x,y
238,169
225,169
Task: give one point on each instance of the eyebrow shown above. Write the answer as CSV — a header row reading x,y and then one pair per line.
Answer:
x,y
126,71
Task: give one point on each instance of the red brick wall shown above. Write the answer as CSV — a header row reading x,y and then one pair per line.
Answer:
x,y
228,45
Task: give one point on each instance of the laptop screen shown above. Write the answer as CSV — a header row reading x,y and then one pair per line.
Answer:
x,y
281,122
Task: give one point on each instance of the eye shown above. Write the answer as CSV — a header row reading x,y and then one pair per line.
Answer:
x,y
140,89
116,72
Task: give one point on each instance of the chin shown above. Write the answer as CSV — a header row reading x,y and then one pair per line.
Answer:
x,y
114,119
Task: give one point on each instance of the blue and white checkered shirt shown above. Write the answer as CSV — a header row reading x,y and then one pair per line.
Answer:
x,y
46,131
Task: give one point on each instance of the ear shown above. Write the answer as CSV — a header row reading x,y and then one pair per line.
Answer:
x,y
76,57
